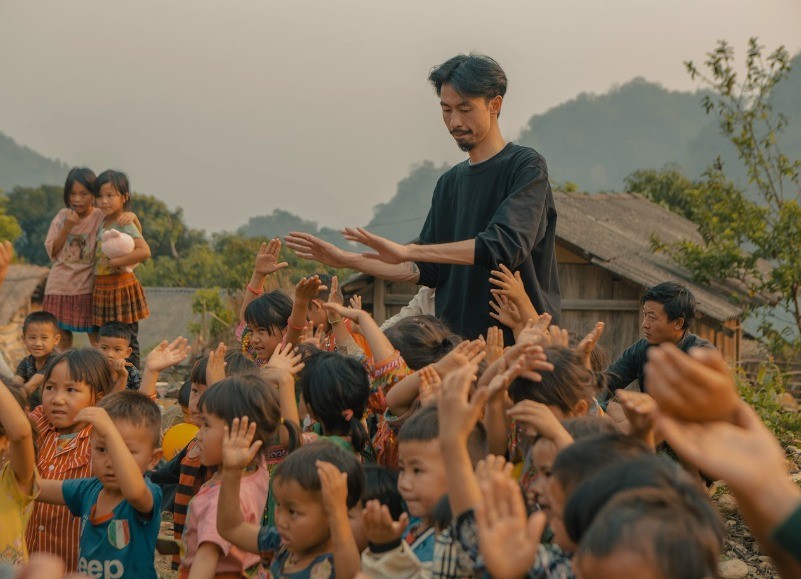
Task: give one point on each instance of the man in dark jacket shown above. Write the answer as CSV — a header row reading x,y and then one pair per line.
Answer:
x,y
668,312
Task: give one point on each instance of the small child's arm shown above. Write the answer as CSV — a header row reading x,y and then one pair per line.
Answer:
x,y
284,364
128,475
238,452
21,454
334,489
379,344
305,291
34,383
204,565
50,492
266,264
162,357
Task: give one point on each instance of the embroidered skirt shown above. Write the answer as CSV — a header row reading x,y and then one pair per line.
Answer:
x,y
118,297
74,313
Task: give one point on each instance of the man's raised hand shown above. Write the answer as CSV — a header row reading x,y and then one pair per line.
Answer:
x,y
383,249
310,247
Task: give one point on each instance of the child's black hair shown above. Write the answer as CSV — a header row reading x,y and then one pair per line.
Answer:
x,y
269,311
81,175
587,456
249,395
301,466
565,386
442,515
588,426
184,393
119,181
115,330
422,340
41,317
325,279
236,363
335,389
657,525
651,471
381,484
137,409
84,365
423,426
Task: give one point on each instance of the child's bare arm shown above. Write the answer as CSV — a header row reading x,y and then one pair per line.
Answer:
x,y
284,364
50,492
34,383
139,254
129,476
21,455
204,565
159,359
238,452
305,291
334,489
380,345
266,264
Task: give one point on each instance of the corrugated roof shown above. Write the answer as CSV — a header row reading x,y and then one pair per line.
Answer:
x,y
615,230
20,283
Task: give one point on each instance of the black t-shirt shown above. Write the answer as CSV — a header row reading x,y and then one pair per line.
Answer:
x,y
506,205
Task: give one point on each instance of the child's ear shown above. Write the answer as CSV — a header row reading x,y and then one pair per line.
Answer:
x,y
316,303
128,352
57,338
158,453
581,408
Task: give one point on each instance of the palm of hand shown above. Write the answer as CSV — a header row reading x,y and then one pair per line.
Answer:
x,y
266,264
506,549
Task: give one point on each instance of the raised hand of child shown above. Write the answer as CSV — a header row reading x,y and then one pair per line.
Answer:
x,y
333,489
537,419
458,415
697,386
505,311
466,353
312,336
499,384
356,302
535,331
640,409
99,419
491,465
494,344
167,354
238,447
308,288
287,358
507,540
215,369
588,343
267,258
335,295
557,337
536,362
508,284
430,386
379,526
338,310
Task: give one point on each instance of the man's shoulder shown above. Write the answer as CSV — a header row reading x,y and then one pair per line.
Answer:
x,y
694,341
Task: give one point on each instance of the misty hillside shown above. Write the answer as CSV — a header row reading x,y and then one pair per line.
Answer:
x,y
24,167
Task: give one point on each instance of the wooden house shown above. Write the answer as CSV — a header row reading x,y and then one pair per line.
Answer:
x,y
605,263
22,292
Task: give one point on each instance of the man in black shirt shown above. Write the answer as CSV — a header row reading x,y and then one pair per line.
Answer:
x,y
494,208
668,311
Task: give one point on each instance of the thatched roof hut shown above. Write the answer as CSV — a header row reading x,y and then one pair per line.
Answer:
x,y
21,293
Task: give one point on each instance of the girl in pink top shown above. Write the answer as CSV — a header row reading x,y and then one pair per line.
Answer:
x,y
70,243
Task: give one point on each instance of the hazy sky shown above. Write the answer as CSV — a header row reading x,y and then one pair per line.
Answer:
x,y
231,108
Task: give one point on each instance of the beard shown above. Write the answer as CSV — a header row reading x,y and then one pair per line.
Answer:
x,y
464,145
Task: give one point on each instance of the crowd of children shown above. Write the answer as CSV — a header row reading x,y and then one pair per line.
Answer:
x,y
326,446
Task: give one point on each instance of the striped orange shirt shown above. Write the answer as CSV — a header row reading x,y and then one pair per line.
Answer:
x,y
52,528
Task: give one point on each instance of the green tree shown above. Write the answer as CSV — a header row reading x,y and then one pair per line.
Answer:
x,y
668,187
9,228
749,236
34,209
164,228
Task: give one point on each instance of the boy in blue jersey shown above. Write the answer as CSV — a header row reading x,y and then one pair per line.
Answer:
x,y
120,510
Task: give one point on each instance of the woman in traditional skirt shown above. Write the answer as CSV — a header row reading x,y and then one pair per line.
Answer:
x,y
70,243
118,296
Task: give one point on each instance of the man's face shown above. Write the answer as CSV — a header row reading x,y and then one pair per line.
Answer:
x,y
657,328
468,119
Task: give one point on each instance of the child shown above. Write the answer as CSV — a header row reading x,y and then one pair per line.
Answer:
x,y
41,334
17,477
335,389
314,487
70,244
74,380
114,342
118,296
266,318
119,510
205,552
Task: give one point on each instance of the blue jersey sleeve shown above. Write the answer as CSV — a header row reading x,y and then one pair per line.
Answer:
x,y
80,494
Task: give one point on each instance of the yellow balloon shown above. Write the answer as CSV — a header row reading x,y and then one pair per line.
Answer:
x,y
176,438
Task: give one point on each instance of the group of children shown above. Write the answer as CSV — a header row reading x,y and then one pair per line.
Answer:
x,y
328,447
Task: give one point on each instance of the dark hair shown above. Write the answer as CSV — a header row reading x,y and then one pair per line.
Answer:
x,y
85,365
41,317
248,395
19,395
423,426
269,311
332,384
442,515
659,526
422,340
184,393
588,426
564,387
136,409
587,456
590,496
118,181
381,484
115,330
236,363
677,300
82,176
471,75
301,466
